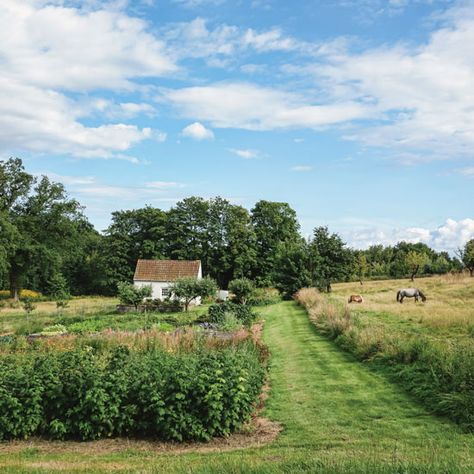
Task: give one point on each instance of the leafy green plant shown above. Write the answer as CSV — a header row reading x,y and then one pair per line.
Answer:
x,y
90,393
218,313
130,294
242,289
188,289
28,306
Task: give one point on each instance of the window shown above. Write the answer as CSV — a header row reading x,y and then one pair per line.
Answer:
x,y
165,292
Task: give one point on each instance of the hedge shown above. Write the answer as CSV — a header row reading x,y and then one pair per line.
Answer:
x,y
83,395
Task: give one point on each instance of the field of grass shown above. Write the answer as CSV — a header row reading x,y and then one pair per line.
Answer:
x,y
338,416
447,313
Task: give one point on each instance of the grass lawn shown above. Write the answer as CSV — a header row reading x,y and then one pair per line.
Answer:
x,y
338,417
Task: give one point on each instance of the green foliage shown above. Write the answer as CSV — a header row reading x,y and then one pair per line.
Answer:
x,y
218,313
54,330
81,394
274,223
264,297
330,259
28,306
130,294
133,234
189,288
467,256
361,266
42,218
415,261
292,269
242,288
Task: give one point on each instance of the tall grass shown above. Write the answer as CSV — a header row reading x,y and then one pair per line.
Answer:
x,y
440,374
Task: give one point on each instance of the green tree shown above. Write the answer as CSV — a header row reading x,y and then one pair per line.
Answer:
x,y
134,234
292,267
415,261
231,242
331,260
130,294
59,291
466,254
274,223
242,288
189,288
43,219
186,230
361,267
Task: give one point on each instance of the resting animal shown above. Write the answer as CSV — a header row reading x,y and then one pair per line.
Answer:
x,y
355,299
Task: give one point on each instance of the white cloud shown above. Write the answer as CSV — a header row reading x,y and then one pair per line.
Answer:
x,y
234,105
246,154
197,131
424,94
48,49
71,49
198,3
449,236
67,180
221,45
469,171
302,168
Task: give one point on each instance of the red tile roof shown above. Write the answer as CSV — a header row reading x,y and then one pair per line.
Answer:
x,y
166,270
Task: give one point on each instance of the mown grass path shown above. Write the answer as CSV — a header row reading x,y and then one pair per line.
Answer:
x,y
345,414
338,417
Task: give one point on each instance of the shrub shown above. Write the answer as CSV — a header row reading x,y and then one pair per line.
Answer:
x,y
85,394
130,294
217,313
242,289
264,297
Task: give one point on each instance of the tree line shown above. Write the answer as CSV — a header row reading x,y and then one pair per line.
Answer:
x,y
45,237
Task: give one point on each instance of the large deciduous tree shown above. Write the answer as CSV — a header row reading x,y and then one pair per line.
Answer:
x,y
293,267
331,260
274,223
134,234
467,256
41,221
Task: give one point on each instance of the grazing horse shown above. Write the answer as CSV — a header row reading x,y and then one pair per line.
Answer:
x,y
355,299
410,293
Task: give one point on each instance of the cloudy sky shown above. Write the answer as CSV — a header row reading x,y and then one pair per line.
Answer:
x,y
359,113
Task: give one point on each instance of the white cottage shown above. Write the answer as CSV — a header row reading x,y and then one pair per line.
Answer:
x,y
160,274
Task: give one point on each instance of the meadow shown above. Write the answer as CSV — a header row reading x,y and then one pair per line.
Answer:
x,y
428,348
447,313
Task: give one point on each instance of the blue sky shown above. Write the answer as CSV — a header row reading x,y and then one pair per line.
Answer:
x,y
360,114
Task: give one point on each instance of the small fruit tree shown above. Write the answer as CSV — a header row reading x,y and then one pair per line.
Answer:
x,y
242,288
132,295
187,289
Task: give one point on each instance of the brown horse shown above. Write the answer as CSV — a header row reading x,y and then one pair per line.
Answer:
x,y
355,299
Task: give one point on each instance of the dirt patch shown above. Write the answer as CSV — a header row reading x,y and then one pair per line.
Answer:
x,y
258,432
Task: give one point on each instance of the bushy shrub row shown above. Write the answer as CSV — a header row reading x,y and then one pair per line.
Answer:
x,y
264,297
441,375
86,395
218,313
